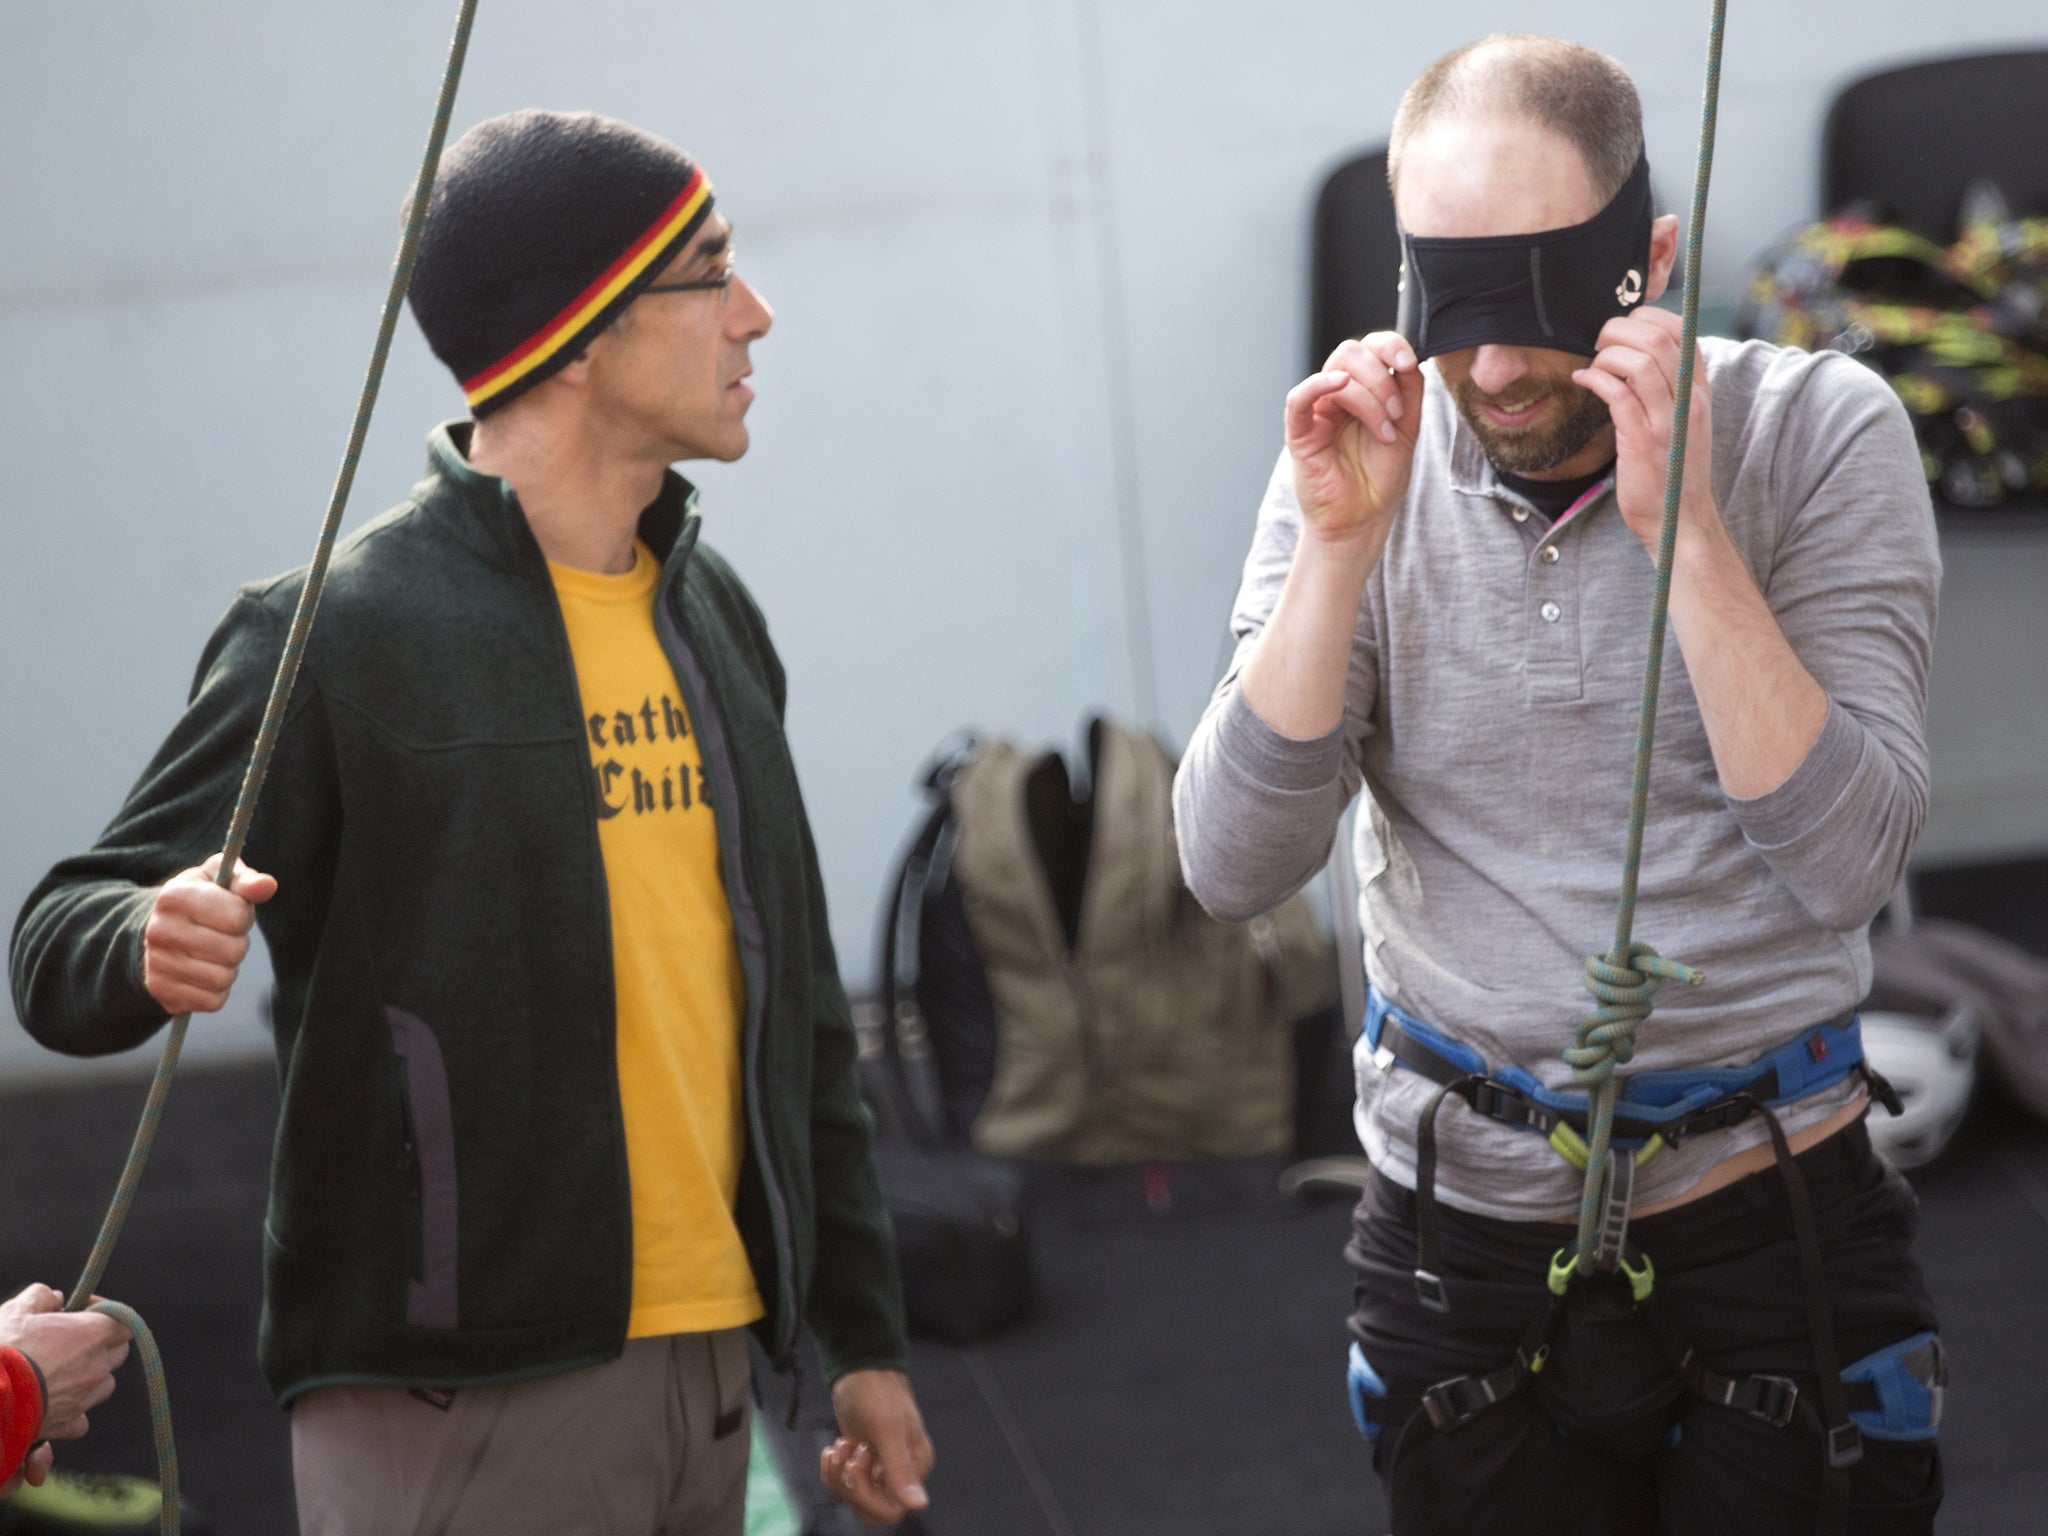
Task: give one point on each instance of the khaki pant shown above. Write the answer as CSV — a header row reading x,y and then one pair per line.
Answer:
x,y
651,1444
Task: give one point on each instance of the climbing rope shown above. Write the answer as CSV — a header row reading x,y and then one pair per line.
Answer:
x,y
252,783
1625,979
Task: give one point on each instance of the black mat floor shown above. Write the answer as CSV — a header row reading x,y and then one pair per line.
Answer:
x,y
1183,1374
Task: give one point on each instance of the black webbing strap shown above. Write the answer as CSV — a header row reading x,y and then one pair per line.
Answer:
x,y
906,1074
1841,1440
1882,1090
1429,1254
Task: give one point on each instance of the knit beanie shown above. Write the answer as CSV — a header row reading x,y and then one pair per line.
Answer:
x,y
541,228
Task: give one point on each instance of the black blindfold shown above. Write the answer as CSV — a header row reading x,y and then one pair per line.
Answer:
x,y
1555,288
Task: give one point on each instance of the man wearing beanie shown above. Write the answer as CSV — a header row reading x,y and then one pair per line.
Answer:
x,y
1444,609
569,1099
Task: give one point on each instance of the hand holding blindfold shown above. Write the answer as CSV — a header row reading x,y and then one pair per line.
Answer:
x,y
1579,290
1351,433
1635,372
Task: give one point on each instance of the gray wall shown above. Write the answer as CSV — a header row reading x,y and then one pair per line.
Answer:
x,y
1039,270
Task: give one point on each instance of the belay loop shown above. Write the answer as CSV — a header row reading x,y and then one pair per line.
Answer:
x,y
1623,981
252,781
1623,984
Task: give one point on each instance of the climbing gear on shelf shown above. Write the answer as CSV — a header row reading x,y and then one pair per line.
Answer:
x,y
1961,332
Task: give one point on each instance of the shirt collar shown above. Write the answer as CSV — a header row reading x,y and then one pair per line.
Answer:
x,y
1472,472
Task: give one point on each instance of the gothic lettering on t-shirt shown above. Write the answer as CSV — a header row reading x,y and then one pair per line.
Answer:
x,y
647,783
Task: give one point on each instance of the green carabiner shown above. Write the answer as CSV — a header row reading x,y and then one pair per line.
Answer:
x,y
1563,1265
1641,1281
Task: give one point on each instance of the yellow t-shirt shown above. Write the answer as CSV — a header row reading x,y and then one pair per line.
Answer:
x,y
681,993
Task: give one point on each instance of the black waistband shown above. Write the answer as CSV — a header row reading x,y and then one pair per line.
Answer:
x,y
1835,1168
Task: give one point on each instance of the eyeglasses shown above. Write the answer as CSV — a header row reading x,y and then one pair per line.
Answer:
x,y
722,281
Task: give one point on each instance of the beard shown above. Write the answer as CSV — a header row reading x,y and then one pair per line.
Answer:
x,y
1546,442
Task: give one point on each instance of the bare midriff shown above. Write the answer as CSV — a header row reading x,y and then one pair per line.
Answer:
x,y
1752,1159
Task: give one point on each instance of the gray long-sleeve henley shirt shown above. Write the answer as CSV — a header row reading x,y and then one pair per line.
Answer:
x,y
1490,717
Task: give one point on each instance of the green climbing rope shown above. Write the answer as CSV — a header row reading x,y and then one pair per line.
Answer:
x,y
1624,980
252,781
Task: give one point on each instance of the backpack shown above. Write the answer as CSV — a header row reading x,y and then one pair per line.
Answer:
x,y
1049,987
1961,332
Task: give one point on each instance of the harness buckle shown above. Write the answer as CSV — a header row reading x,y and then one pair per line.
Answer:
x,y
1713,1117
1497,1101
1845,1446
1429,1290
1776,1399
1457,1402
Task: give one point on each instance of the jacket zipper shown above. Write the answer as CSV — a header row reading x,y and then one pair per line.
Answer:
x,y
718,764
566,656
410,1177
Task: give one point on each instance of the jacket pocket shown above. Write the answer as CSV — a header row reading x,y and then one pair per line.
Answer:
x,y
427,1171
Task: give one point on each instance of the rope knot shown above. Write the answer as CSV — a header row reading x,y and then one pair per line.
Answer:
x,y
1623,983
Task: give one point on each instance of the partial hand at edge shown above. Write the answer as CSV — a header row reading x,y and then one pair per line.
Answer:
x,y
879,1463
77,1353
33,1470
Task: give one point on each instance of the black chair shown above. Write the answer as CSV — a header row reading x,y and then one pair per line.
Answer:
x,y
1355,256
1911,139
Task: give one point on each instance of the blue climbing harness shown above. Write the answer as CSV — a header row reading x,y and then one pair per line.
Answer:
x,y
1653,1109
1892,1394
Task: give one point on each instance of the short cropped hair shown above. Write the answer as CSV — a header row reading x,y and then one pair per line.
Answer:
x,y
1576,91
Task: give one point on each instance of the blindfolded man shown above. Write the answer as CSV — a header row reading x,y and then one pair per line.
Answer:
x,y
1445,605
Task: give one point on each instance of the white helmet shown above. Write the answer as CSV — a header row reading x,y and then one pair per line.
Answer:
x,y
1933,1065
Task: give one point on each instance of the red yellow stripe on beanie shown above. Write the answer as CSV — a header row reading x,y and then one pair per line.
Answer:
x,y
673,221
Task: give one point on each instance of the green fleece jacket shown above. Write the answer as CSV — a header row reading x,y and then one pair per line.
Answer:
x,y
449,1202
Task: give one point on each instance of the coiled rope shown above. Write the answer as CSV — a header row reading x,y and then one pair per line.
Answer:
x,y
81,1296
1625,979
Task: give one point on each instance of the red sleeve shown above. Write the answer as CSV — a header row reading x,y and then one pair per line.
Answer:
x,y
21,1410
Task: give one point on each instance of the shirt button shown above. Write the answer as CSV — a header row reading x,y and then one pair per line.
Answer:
x,y
1551,613
1519,514
1549,555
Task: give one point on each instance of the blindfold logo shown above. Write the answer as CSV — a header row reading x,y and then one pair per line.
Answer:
x,y
1630,288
